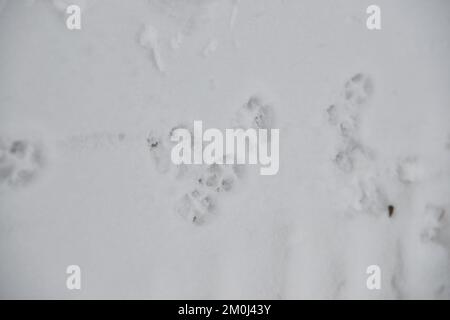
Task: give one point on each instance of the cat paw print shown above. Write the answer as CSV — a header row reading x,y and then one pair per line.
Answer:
x,y
255,113
157,145
219,177
345,114
432,222
20,161
346,121
345,117
201,203
197,206
210,183
160,146
358,89
353,157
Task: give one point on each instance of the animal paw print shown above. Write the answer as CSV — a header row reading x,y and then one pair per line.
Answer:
x,y
358,90
160,146
201,202
344,161
20,161
353,157
346,121
200,205
219,177
255,113
345,116
432,222
158,151
197,206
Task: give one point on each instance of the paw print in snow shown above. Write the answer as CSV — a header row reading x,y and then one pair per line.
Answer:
x,y
359,89
196,206
255,114
20,161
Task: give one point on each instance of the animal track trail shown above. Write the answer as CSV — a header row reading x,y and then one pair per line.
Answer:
x,y
255,113
427,255
371,189
433,218
208,184
345,117
367,187
24,159
345,114
353,158
200,204
196,206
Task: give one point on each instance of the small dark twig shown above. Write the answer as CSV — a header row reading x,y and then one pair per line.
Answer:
x,y
391,210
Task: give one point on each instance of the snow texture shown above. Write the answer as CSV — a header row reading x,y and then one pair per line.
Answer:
x,y
86,118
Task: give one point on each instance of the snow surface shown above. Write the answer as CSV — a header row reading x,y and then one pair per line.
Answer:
x,y
364,124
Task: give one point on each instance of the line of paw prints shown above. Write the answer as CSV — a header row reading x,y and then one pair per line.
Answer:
x,y
351,154
432,222
345,116
200,204
160,146
20,162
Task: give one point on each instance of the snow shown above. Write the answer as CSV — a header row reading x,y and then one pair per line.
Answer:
x,y
211,47
363,118
149,40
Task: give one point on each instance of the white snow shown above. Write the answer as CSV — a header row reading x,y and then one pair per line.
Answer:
x,y
234,13
364,124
